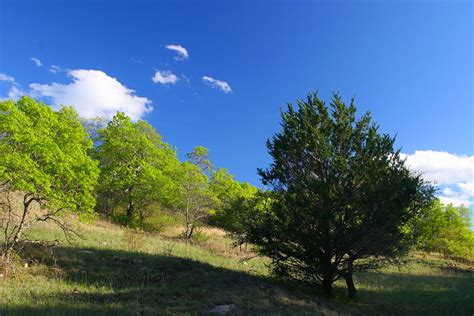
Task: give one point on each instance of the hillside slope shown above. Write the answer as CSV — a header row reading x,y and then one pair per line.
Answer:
x,y
112,270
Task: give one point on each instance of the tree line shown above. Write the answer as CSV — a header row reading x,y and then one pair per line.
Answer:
x,y
338,196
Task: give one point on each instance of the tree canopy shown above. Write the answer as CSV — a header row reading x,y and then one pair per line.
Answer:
x,y
341,193
44,158
137,167
445,229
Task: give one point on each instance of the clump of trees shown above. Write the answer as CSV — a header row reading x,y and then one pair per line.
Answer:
x,y
341,195
233,197
138,169
445,229
44,162
50,163
141,175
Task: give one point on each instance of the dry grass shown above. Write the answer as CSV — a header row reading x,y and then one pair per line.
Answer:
x,y
116,271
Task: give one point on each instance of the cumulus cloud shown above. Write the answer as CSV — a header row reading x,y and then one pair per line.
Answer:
x,y
467,187
454,173
15,93
457,198
164,77
442,167
224,86
36,61
182,53
93,93
7,78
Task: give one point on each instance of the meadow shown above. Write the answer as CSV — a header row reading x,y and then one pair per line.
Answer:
x,y
112,270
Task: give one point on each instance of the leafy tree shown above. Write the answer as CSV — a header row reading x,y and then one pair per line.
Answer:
x,y
137,168
446,229
194,199
44,161
232,196
200,157
341,195
244,214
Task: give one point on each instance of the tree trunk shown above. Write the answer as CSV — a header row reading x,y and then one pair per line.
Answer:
x,y
130,206
130,210
350,280
10,245
328,273
327,285
189,224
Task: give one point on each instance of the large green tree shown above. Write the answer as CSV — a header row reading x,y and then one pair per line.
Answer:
x,y
342,195
137,168
44,161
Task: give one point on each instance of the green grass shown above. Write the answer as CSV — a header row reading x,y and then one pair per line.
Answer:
x,y
113,271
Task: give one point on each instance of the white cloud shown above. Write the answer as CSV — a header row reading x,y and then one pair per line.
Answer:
x,y
442,167
453,172
182,53
15,93
457,198
37,62
93,93
224,86
164,77
54,69
467,188
7,78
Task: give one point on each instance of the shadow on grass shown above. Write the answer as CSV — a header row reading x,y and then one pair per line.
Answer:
x,y
112,282
89,281
441,293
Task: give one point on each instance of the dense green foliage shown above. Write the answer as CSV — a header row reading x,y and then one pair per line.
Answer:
x,y
341,195
446,229
141,176
137,169
233,197
44,159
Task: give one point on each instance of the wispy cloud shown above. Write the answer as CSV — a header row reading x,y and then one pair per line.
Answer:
x,y
7,78
182,53
164,77
136,60
36,61
222,85
94,93
54,69
454,174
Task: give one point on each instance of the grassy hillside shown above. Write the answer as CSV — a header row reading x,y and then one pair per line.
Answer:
x,y
112,270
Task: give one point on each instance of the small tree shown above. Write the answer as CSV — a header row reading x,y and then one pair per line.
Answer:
x,y
137,168
194,199
341,194
44,161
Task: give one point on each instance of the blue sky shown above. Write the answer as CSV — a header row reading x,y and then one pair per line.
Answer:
x,y
409,62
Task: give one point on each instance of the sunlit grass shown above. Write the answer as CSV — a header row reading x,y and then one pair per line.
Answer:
x,y
113,270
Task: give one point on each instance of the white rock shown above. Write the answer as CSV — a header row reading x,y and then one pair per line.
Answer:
x,y
222,309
